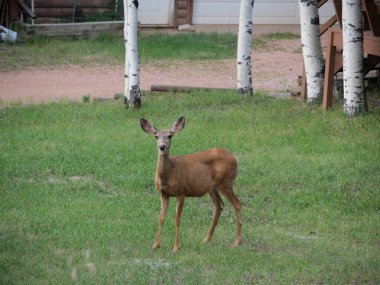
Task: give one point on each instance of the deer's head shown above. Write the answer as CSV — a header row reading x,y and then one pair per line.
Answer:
x,y
163,137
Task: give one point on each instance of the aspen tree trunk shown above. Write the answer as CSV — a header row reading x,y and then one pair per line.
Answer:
x,y
312,50
126,67
244,60
133,94
354,96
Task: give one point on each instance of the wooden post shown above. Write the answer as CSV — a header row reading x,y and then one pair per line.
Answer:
x,y
329,73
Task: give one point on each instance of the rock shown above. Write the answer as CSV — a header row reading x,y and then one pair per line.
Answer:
x,y
186,28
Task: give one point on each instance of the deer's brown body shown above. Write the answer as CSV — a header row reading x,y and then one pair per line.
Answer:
x,y
195,175
207,172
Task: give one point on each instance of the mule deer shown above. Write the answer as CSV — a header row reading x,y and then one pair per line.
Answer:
x,y
207,172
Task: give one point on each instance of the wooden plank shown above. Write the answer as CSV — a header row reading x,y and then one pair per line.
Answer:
x,y
182,13
371,44
69,4
329,23
303,84
321,3
372,16
173,88
329,73
338,10
182,5
74,29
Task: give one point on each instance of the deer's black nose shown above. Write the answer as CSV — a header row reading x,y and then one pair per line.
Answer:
x,y
162,147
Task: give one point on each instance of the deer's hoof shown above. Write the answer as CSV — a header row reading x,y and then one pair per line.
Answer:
x,y
236,243
175,248
155,245
207,239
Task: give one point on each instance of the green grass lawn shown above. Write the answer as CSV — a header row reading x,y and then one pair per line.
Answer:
x,y
77,201
109,49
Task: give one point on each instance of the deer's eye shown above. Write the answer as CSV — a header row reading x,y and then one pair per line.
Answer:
x,y
170,136
156,137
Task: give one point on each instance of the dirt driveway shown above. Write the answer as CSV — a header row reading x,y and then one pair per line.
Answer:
x,y
275,68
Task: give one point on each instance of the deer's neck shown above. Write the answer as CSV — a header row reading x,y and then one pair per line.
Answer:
x,y
163,167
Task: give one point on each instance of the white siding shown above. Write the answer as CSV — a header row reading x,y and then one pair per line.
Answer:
x,y
156,12
264,12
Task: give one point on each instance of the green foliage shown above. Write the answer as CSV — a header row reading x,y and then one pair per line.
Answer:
x,y
112,14
77,199
187,46
268,41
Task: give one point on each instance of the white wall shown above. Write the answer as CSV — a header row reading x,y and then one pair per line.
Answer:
x,y
265,12
156,12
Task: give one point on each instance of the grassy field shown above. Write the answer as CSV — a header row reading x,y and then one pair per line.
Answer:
x,y
77,201
109,49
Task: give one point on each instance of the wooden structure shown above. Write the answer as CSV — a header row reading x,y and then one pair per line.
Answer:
x,y
73,29
57,17
8,12
46,11
183,12
334,51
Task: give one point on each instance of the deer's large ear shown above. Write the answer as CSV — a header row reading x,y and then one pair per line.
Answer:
x,y
178,125
148,127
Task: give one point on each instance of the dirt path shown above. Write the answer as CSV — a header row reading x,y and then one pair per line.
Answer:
x,y
274,69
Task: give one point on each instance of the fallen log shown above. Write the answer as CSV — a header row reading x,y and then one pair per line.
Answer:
x,y
172,88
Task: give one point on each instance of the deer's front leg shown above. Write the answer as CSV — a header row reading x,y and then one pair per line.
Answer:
x,y
178,213
164,209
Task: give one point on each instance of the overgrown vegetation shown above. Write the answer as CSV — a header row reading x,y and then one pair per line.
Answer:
x,y
114,13
77,201
109,49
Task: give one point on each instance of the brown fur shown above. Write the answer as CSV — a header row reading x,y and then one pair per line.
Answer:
x,y
207,172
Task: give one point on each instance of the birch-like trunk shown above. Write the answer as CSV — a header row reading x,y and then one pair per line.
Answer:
x,y
126,67
312,50
134,93
244,59
354,96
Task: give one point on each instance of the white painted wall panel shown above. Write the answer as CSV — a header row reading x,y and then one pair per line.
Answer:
x,y
264,12
155,12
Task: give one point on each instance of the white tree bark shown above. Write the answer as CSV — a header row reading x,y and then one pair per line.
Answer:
x,y
133,98
126,67
312,50
244,60
354,96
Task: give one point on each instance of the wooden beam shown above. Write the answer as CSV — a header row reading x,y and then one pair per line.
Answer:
x,y
172,88
73,29
329,73
26,9
321,3
338,10
329,23
372,16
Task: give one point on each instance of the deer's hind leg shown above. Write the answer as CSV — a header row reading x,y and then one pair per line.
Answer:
x,y
178,213
217,200
230,195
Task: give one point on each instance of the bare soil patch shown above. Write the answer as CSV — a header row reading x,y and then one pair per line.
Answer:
x,y
275,69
